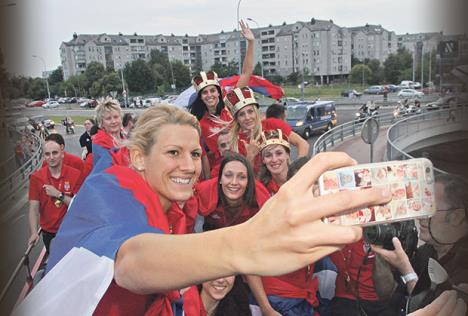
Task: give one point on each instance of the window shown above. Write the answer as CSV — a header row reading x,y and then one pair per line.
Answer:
x,y
340,43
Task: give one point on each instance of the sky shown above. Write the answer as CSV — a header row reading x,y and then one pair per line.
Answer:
x,y
38,27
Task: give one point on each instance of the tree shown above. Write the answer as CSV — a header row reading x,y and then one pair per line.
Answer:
x,y
376,75
258,69
139,77
392,68
293,77
181,74
109,82
56,76
223,71
360,74
94,71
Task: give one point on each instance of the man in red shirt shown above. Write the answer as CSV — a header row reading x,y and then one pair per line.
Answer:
x,y
68,159
50,191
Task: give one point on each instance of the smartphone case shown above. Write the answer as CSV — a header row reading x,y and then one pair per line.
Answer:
x,y
410,181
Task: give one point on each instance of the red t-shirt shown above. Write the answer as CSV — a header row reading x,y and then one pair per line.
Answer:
x,y
70,160
207,196
210,127
69,182
193,305
297,284
348,261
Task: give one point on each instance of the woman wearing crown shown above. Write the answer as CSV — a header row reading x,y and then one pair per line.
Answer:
x,y
247,127
293,293
209,108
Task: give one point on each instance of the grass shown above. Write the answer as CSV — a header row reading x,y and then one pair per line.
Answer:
x,y
78,119
330,91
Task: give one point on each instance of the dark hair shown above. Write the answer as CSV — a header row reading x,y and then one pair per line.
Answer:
x,y
198,107
455,191
296,165
94,130
236,302
265,174
275,110
249,195
127,118
91,120
55,137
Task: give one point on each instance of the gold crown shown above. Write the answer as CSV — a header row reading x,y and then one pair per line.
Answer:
x,y
238,98
275,137
205,79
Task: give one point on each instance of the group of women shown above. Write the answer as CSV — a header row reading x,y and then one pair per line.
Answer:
x,y
137,206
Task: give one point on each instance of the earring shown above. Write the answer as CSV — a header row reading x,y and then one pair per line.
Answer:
x,y
140,168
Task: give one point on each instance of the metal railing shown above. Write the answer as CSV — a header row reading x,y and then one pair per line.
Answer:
x,y
344,131
20,176
423,123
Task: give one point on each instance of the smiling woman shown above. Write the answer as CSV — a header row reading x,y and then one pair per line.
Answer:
x,y
122,248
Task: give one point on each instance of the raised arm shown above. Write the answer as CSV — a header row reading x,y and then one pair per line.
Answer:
x,y
247,67
284,236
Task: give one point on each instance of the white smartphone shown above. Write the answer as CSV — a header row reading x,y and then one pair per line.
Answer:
x,y
410,181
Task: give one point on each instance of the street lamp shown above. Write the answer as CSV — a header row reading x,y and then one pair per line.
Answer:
x,y
45,71
237,25
261,56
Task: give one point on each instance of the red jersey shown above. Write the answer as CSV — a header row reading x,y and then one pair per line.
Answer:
x,y
297,284
69,183
207,196
121,302
348,261
210,126
193,305
70,160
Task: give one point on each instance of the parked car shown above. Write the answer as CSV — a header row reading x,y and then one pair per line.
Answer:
x,y
346,93
410,93
306,118
91,103
417,85
406,84
34,104
392,88
50,105
374,90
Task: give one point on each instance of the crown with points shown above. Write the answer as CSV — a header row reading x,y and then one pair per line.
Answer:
x,y
273,137
238,98
204,79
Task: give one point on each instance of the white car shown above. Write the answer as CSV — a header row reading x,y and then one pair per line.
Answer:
x,y
50,105
410,93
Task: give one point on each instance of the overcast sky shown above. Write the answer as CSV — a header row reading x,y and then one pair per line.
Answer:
x,y
38,27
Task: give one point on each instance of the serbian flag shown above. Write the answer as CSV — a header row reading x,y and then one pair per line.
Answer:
x,y
110,208
256,83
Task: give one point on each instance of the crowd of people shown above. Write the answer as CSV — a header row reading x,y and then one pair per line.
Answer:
x,y
203,213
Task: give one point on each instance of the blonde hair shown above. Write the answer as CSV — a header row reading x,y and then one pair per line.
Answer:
x,y
104,106
235,130
146,130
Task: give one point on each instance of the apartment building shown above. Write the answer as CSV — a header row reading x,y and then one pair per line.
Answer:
x,y
319,48
373,42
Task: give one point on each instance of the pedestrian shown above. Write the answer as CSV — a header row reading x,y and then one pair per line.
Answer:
x,y
50,191
85,138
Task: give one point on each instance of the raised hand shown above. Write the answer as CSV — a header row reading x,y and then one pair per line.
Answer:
x,y
246,31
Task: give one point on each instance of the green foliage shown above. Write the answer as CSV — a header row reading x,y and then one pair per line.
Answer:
x,y
223,71
360,73
94,71
258,69
398,67
139,77
181,74
293,78
56,76
109,82
376,72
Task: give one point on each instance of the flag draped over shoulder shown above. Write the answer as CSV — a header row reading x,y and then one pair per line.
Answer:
x,y
110,208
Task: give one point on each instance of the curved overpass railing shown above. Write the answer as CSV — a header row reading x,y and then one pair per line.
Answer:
x,y
430,123
344,131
